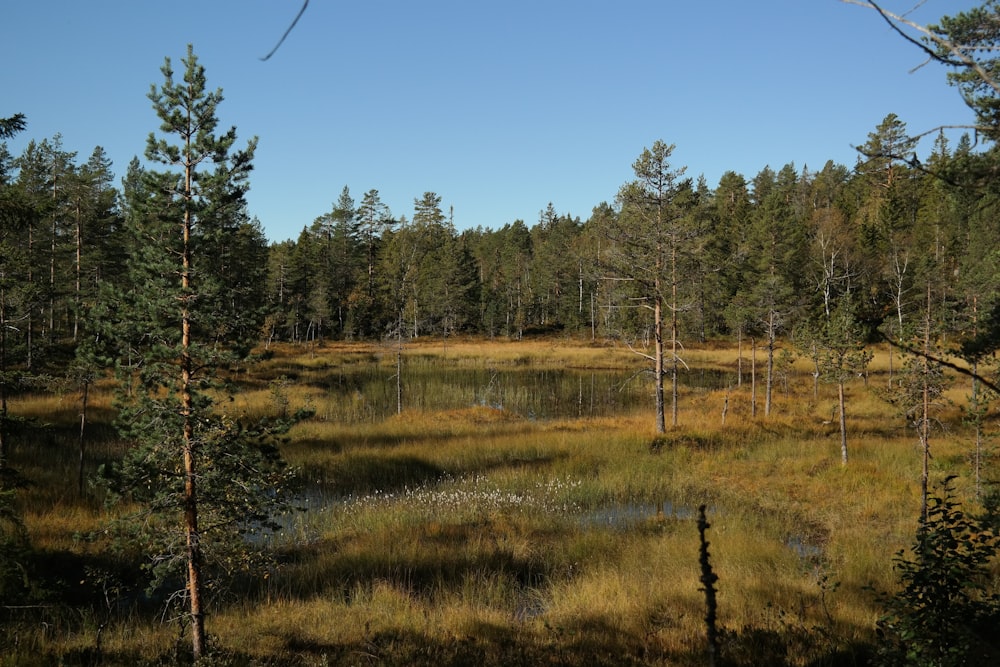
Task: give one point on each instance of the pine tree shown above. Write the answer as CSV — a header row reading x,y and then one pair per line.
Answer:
x,y
16,213
708,261
277,293
203,478
342,260
839,339
47,178
967,42
516,261
14,210
732,222
96,232
557,272
649,241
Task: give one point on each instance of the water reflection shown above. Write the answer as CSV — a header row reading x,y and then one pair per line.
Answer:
x,y
804,548
367,392
624,516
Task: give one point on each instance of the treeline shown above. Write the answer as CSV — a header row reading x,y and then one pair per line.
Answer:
x,y
67,236
750,257
753,257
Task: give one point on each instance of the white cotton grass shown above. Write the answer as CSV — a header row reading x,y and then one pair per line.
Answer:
x,y
456,499
473,495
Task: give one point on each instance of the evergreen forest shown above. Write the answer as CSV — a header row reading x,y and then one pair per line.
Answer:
x,y
882,233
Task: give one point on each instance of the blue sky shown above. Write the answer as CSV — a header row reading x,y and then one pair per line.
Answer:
x,y
498,107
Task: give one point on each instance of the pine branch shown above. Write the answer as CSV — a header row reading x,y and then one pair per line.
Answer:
x,y
11,126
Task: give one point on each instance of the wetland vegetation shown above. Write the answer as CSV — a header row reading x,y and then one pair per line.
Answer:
x,y
466,530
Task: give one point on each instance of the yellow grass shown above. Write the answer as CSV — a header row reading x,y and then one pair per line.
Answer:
x,y
796,538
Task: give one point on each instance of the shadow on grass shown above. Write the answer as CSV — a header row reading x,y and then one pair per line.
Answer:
x,y
481,646
403,436
486,644
436,560
357,474
589,641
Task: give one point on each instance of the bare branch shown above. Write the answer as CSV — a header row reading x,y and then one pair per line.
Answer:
x,y
959,57
938,360
893,21
282,40
638,352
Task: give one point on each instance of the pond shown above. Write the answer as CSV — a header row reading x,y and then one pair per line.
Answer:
x,y
625,516
365,393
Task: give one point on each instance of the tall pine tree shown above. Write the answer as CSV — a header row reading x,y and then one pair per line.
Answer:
x,y
203,478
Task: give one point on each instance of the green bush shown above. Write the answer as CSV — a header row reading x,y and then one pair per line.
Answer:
x,y
947,610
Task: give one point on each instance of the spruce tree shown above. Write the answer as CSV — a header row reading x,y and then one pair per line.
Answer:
x,y
375,221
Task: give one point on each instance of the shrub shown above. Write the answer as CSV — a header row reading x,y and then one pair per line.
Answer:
x,y
947,610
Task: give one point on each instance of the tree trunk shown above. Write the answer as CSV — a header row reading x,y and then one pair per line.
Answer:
x,y
769,382
593,320
977,414
3,381
192,537
658,371
52,274
399,365
890,365
843,423
30,324
739,357
673,330
82,441
191,531
79,272
925,416
978,455
816,373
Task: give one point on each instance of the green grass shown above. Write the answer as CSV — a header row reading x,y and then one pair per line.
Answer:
x,y
468,535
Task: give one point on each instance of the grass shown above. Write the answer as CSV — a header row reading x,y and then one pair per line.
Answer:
x,y
467,534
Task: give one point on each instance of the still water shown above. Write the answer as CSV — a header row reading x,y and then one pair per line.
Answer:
x,y
368,392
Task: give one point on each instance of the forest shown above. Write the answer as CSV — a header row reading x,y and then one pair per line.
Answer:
x,y
154,350
762,256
